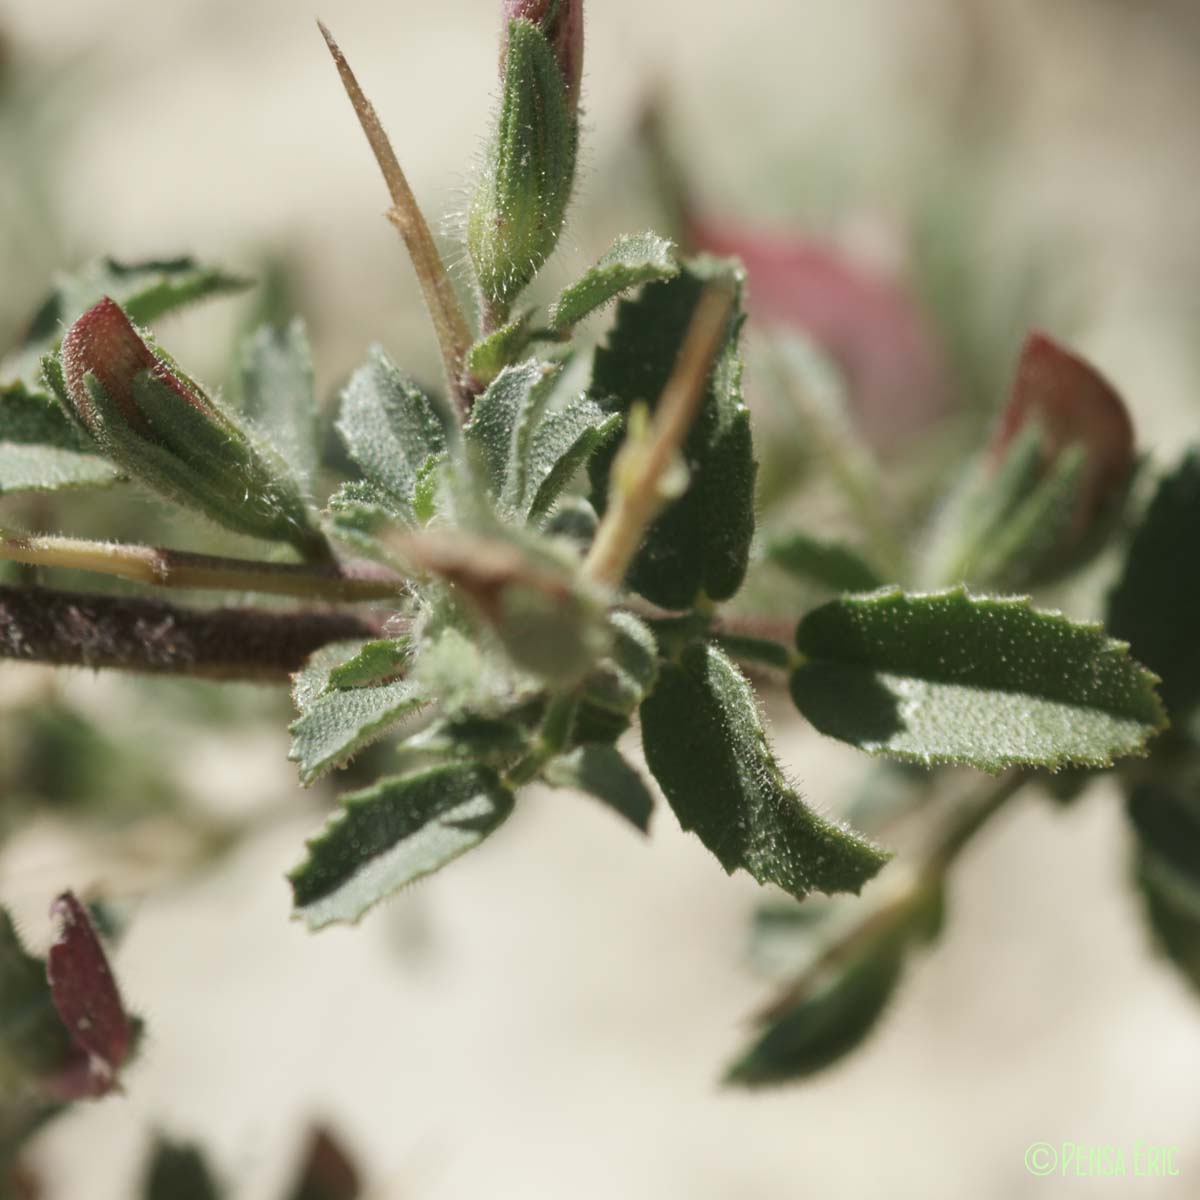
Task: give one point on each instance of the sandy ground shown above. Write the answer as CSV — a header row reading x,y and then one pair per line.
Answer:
x,y
548,1018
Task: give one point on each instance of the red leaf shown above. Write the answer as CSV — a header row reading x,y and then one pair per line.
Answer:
x,y
85,994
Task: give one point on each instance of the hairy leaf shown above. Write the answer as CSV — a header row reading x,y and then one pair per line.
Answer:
x,y
338,724
41,450
601,771
704,741
633,260
1153,607
392,834
490,355
952,678
701,542
391,429
830,564
376,661
610,695
278,393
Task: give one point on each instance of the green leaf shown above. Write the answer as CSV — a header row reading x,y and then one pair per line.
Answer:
x,y
528,449
633,260
490,355
952,678
338,724
839,995
822,1025
610,695
1153,607
48,469
392,834
146,290
178,1172
560,446
278,394
358,514
830,564
601,771
375,661
705,743
391,429
701,542
1174,922
41,450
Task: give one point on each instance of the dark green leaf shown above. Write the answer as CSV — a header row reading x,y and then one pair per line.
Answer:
x,y
278,394
623,679
633,260
1154,605
392,834
841,992
705,743
823,1024
391,429
701,542
951,678
830,564
601,771
1174,918
178,1172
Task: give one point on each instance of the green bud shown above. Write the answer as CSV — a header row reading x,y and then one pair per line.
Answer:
x,y
161,428
520,204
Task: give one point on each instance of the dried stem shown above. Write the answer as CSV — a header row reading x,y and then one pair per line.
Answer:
x,y
449,321
135,634
160,567
643,462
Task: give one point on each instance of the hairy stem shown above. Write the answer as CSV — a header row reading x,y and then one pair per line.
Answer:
x,y
449,321
643,462
135,634
161,567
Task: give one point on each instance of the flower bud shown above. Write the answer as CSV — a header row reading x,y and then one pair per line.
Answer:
x,y
160,427
518,209
562,23
1071,404
1050,488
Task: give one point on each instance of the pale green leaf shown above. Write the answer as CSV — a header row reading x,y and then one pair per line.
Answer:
x,y
633,260
392,834
953,678
278,393
391,428
338,724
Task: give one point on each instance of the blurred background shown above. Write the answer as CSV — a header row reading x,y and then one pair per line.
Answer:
x,y
551,1015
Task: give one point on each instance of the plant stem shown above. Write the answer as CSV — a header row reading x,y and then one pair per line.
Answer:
x,y
136,634
643,462
960,832
449,321
161,567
